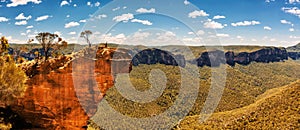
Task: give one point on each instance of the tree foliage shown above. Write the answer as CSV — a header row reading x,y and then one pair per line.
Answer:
x,y
50,41
12,81
4,45
86,34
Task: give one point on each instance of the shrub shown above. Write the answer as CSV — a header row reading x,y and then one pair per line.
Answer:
x,y
12,81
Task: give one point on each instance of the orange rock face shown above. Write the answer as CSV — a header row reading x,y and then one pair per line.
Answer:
x,y
65,98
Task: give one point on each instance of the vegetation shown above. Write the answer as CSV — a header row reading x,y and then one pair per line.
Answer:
x,y
4,45
12,81
86,34
277,108
244,85
47,40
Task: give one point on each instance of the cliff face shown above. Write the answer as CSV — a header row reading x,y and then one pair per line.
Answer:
x,y
154,56
65,98
266,55
294,55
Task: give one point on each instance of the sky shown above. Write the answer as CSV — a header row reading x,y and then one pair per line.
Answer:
x,y
155,22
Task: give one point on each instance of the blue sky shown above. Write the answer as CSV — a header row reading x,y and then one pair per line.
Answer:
x,y
155,22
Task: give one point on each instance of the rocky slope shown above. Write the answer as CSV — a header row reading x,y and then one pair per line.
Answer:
x,y
63,93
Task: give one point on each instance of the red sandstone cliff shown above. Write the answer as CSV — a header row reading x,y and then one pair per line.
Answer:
x,y
65,97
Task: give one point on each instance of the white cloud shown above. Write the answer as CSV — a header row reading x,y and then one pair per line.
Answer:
x,y
71,24
291,29
267,28
185,2
28,27
100,16
75,5
143,10
197,13
23,34
145,22
97,4
22,17
200,32
15,3
123,17
64,3
283,21
58,33
28,31
245,23
68,16
292,10
72,33
115,9
24,22
239,37
82,21
222,35
3,19
219,17
191,33
268,1
41,18
294,1
89,3
213,25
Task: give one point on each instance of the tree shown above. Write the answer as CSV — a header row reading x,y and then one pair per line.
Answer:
x,y
48,42
12,81
85,34
4,45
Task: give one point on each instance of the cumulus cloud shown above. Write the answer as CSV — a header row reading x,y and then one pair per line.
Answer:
x,y
41,18
24,22
58,33
143,10
213,25
219,17
123,17
22,17
294,1
222,35
71,24
198,13
185,2
115,9
292,10
28,27
283,21
100,16
72,33
64,2
245,23
3,19
15,3
291,29
97,4
145,22
82,21
267,28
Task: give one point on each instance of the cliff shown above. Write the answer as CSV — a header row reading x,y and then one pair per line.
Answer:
x,y
155,56
265,55
63,93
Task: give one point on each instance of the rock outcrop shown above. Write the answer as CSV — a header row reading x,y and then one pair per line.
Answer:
x,y
294,55
266,55
66,94
155,56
